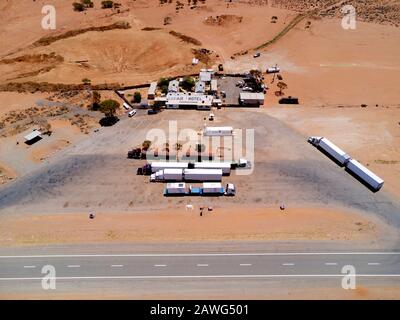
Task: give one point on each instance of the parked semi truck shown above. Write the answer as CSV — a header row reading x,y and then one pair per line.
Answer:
x,y
167,175
364,174
208,189
330,148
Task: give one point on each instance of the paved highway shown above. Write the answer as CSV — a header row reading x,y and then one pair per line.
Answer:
x,y
211,270
218,265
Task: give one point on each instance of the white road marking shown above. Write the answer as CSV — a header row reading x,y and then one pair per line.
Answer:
x,y
210,276
117,265
160,265
245,264
201,254
374,264
74,266
202,265
288,264
331,263
29,267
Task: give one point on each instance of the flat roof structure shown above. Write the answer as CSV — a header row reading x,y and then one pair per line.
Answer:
x,y
252,98
205,75
182,100
33,135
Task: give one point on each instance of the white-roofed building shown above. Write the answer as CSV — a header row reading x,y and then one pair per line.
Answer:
x,y
205,75
252,98
189,100
33,137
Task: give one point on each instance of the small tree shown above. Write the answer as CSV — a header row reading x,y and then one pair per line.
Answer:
x,y
188,83
178,147
146,145
282,86
78,7
109,107
137,97
86,81
108,4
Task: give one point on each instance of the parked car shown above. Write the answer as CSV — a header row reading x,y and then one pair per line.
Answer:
x,y
152,111
248,89
132,113
257,55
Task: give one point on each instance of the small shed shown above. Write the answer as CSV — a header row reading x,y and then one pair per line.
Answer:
x,y
200,87
33,137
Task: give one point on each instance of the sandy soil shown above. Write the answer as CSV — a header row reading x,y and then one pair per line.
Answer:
x,y
182,225
369,134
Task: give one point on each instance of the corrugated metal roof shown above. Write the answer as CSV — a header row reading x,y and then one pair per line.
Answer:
x,y
33,135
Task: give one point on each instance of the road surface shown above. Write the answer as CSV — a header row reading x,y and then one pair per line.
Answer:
x,y
194,272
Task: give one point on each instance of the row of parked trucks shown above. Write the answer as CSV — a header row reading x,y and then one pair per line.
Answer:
x,y
351,165
208,189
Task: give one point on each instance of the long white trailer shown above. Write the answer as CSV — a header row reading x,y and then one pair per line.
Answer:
x,y
364,174
330,148
224,166
218,131
187,175
202,174
157,166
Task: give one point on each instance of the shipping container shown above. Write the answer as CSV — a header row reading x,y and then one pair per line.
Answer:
x,y
213,188
364,174
178,188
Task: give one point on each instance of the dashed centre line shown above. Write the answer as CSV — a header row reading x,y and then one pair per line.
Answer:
x,y
288,264
202,265
160,265
117,265
374,264
29,267
74,266
245,264
331,263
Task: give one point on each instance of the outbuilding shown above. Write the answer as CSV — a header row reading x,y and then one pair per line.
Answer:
x,y
173,86
33,137
251,98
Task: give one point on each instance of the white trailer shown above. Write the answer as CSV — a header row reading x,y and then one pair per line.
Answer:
x,y
218,131
212,188
202,174
167,175
331,149
175,188
273,70
157,166
224,166
364,174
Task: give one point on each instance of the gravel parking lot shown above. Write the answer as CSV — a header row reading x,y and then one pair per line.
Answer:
x,y
96,174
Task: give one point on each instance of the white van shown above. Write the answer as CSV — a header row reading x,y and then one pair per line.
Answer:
x,y
126,106
132,113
